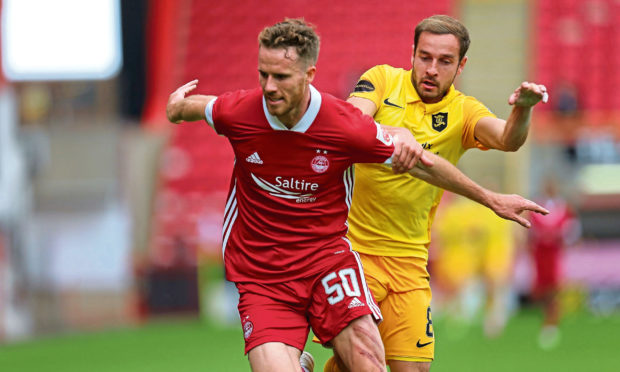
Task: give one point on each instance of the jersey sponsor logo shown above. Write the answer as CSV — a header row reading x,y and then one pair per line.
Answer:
x,y
383,136
364,86
355,302
305,199
248,327
418,344
440,121
254,158
385,101
288,188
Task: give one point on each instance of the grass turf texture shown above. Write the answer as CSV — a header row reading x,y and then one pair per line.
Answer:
x,y
588,343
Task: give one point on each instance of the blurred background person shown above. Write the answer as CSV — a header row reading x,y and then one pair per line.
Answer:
x,y
547,240
473,266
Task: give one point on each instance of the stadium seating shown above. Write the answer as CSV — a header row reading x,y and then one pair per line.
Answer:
x,y
575,42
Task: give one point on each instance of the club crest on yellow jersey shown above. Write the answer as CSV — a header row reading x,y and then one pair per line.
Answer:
x,y
440,121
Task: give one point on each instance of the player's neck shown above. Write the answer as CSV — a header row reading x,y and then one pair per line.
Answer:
x,y
291,118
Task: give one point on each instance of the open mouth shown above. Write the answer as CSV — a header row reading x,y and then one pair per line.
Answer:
x,y
274,101
428,84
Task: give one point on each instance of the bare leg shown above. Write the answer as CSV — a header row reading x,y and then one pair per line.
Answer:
x,y
359,346
274,357
549,336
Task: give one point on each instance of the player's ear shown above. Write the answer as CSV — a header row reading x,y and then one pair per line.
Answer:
x,y
461,65
412,53
310,73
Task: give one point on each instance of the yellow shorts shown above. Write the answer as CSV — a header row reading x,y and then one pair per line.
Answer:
x,y
401,288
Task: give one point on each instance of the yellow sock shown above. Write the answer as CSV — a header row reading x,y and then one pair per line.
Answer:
x,y
331,365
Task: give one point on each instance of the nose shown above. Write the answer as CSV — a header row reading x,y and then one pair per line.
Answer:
x,y
432,68
270,85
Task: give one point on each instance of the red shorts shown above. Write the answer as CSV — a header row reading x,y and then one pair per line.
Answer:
x,y
547,262
327,302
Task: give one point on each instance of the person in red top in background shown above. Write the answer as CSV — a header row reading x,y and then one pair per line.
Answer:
x,y
548,237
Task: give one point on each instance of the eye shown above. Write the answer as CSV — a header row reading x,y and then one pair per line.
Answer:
x,y
263,74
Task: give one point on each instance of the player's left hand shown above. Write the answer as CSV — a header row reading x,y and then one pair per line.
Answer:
x,y
528,94
407,151
511,206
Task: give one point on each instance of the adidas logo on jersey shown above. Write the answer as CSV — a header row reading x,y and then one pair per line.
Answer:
x,y
254,158
355,302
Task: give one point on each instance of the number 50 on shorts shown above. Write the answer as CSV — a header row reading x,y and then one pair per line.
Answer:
x,y
348,285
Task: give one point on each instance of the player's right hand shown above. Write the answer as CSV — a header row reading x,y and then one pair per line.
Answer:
x,y
407,151
510,207
173,109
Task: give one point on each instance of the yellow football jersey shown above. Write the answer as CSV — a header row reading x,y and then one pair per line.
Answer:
x,y
391,215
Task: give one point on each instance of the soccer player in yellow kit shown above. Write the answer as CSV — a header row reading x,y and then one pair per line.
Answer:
x,y
480,246
391,215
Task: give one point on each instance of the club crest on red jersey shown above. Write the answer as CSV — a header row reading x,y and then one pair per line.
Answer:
x,y
248,327
383,136
320,163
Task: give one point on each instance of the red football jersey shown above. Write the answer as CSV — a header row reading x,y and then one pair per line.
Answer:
x,y
291,189
548,236
549,232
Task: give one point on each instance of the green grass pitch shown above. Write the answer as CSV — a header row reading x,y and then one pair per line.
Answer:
x,y
588,343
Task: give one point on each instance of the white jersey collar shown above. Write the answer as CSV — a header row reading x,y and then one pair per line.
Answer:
x,y
305,122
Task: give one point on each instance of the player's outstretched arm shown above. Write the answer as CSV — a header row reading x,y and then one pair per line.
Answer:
x,y
510,135
181,108
445,175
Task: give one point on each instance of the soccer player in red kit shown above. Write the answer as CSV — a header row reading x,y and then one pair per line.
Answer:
x,y
286,216
548,238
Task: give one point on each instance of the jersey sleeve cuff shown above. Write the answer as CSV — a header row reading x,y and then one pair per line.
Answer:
x,y
209,112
